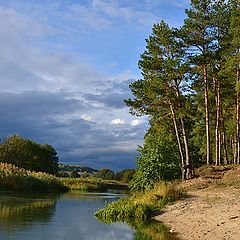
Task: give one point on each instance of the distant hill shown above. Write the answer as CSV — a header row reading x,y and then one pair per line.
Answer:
x,y
69,168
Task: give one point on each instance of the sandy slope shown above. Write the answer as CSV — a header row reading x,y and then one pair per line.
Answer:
x,y
206,215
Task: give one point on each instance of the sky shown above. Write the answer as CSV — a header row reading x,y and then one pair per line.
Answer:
x,y
65,69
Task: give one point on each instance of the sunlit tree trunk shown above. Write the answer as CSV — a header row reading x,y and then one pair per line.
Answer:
x,y
206,100
238,122
178,138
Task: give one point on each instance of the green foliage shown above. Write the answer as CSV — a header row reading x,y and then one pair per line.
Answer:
x,y
105,173
21,180
29,155
158,160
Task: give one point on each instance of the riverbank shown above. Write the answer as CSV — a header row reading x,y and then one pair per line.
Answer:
x,y
17,179
138,208
211,209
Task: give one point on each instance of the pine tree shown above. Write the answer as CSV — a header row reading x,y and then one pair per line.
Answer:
x,y
163,68
197,36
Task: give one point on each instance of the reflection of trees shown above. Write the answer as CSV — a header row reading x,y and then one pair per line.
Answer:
x,y
106,197
22,212
153,231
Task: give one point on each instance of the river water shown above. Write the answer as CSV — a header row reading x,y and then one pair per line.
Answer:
x,y
68,216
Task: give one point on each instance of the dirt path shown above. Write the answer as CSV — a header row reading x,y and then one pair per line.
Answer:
x,y
206,215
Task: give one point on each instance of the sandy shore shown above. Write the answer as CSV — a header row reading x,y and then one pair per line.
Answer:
x,y
206,215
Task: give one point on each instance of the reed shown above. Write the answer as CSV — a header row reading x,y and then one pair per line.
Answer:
x,y
21,180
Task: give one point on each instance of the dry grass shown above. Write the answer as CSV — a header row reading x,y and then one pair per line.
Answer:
x,y
18,179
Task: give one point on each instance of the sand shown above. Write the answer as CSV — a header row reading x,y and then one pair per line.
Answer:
x,y
205,214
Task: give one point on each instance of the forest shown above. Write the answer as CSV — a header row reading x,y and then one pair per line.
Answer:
x,y
190,92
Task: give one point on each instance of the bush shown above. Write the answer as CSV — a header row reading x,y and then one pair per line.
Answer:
x,y
158,161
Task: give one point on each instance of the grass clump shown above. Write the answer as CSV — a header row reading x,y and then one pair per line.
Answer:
x,y
92,184
141,205
21,180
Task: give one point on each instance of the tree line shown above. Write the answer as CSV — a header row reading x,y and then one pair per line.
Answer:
x,y
27,154
190,91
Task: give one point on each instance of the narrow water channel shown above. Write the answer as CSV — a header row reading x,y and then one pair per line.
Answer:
x,y
68,216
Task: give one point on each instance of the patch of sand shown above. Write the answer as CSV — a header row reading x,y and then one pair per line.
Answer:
x,y
206,215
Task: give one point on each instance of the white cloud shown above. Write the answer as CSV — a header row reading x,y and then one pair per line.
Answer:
x,y
87,117
117,121
135,122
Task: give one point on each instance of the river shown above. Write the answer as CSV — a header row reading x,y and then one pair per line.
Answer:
x,y
68,216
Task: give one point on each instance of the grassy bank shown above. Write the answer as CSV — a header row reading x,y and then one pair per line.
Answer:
x,y
140,206
91,184
17,179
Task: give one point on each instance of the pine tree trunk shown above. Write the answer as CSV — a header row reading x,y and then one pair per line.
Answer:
x,y
217,123
188,167
217,129
219,147
238,123
235,149
178,138
224,143
207,113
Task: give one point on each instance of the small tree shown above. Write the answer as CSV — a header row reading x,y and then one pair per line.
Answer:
x,y
158,160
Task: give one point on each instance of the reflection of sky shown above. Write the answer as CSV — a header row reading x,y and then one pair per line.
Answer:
x,y
65,67
72,220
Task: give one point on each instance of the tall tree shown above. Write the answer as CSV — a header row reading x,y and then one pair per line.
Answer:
x,y
164,74
197,36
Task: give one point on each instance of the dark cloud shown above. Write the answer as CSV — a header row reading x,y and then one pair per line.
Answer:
x,y
110,100
55,118
112,95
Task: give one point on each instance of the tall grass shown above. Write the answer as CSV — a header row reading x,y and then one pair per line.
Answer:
x,y
18,179
141,205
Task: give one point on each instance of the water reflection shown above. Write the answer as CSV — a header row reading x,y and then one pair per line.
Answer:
x,y
153,231
69,216
21,211
57,217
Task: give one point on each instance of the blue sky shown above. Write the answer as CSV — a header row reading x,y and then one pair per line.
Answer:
x,y
65,67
